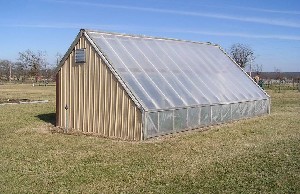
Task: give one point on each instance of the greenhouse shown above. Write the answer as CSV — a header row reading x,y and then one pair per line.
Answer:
x,y
171,85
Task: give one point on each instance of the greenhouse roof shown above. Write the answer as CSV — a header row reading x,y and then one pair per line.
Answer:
x,y
167,73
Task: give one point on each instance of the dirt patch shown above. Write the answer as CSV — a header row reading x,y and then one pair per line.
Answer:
x,y
19,101
14,100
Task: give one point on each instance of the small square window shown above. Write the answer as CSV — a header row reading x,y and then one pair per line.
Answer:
x,y
80,56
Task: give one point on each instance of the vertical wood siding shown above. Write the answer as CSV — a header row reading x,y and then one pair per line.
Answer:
x,y
97,102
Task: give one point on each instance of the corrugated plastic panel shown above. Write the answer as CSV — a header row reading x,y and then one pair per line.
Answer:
x,y
165,74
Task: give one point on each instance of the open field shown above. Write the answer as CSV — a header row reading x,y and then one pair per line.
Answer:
x,y
258,155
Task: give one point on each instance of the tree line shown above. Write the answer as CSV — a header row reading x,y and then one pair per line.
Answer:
x,y
29,65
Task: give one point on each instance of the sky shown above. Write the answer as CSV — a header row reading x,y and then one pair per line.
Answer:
x,y
270,27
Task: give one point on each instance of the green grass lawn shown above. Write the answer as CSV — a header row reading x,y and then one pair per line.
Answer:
x,y
258,155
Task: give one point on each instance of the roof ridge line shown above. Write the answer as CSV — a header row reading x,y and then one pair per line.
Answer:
x,y
148,37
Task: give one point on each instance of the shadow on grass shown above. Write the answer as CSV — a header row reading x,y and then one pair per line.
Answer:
x,y
49,118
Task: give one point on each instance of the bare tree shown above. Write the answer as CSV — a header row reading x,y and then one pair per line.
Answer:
x,y
258,69
20,70
6,69
59,57
278,74
241,54
279,77
33,61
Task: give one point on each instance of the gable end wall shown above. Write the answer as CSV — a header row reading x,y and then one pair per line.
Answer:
x,y
97,103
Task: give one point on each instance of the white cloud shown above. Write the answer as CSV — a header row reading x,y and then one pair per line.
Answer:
x,y
268,21
291,12
148,29
63,26
244,35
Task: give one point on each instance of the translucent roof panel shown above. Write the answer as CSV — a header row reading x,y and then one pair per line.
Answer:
x,y
165,73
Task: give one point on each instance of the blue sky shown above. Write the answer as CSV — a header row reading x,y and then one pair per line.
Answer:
x,y
270,27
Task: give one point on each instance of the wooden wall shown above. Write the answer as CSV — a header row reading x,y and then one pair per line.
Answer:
x,y
96,100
